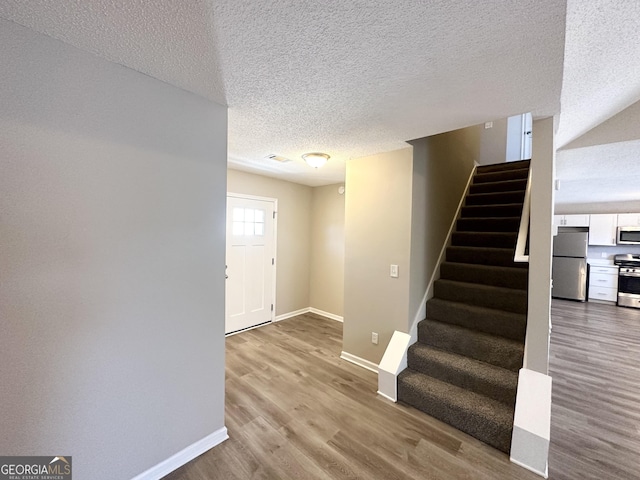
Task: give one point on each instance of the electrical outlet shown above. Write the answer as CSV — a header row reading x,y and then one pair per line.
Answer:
x,y
374,338
488,125
393,271
604,254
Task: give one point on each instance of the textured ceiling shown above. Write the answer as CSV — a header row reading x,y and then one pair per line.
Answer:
x,y
607,173
602,167
599,160
623,127
346,78
601,64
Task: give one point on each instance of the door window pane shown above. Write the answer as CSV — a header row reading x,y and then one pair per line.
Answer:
x,y
248,221
238,214
238,228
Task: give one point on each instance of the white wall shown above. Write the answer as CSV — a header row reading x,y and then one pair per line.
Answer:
x,y
112,197
630,206
540,246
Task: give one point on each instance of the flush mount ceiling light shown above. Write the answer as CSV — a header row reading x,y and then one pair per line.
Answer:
x,y
316,160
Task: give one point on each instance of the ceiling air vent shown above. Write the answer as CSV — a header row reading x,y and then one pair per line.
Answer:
x,y
278,158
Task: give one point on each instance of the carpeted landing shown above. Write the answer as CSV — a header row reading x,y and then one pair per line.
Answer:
x,y
464,368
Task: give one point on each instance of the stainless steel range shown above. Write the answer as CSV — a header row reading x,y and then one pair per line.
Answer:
x,y
628,280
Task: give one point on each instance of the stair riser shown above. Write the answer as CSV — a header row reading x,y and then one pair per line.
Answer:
x,y
475,211
508,186
484,239
503,354
492,434
520,174
496,322
517,278
494,198
487,257
503,167
488,225
514,301
504,392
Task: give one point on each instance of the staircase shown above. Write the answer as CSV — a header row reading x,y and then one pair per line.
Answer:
x,y
464,368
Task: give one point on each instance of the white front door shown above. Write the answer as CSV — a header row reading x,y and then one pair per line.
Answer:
x,y
250,262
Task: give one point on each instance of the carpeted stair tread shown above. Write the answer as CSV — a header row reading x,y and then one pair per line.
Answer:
x,y
481,417
474,375
497,210
488,320
497,198
498,276
516,174
501,186
503,167
464,367
484,239
499,351
501,298
484,256
488,224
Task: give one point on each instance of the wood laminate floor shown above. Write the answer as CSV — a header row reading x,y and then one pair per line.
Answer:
x,y
595,413
295,410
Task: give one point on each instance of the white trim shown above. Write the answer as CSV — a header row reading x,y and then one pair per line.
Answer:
x,y
361,362
184,456
284,316
422,311
252,197
330,316
386,396
532,422
523,231
393,362
544,474
231,334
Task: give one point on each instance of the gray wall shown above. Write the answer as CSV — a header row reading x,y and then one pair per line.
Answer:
x,y
112,198
442,165
377,234
293,236
326,284
493,141
399,208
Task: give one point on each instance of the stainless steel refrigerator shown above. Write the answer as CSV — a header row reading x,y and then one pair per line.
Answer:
x,y
570,269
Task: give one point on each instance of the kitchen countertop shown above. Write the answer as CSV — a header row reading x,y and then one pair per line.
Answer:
x,y
602,262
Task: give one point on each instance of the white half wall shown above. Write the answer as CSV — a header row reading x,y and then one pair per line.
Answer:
x,y
536,354
112,207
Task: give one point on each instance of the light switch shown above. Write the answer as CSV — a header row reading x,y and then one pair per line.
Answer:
x,y
394,271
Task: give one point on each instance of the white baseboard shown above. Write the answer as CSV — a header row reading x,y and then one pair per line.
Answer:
x,y
544,474
330,316
284,316
387,397
184,456
302,311
361,362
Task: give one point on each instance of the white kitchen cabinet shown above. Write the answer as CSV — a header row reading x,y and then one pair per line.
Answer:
x,y
602,229
603,283
576,220
629,219
571,220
